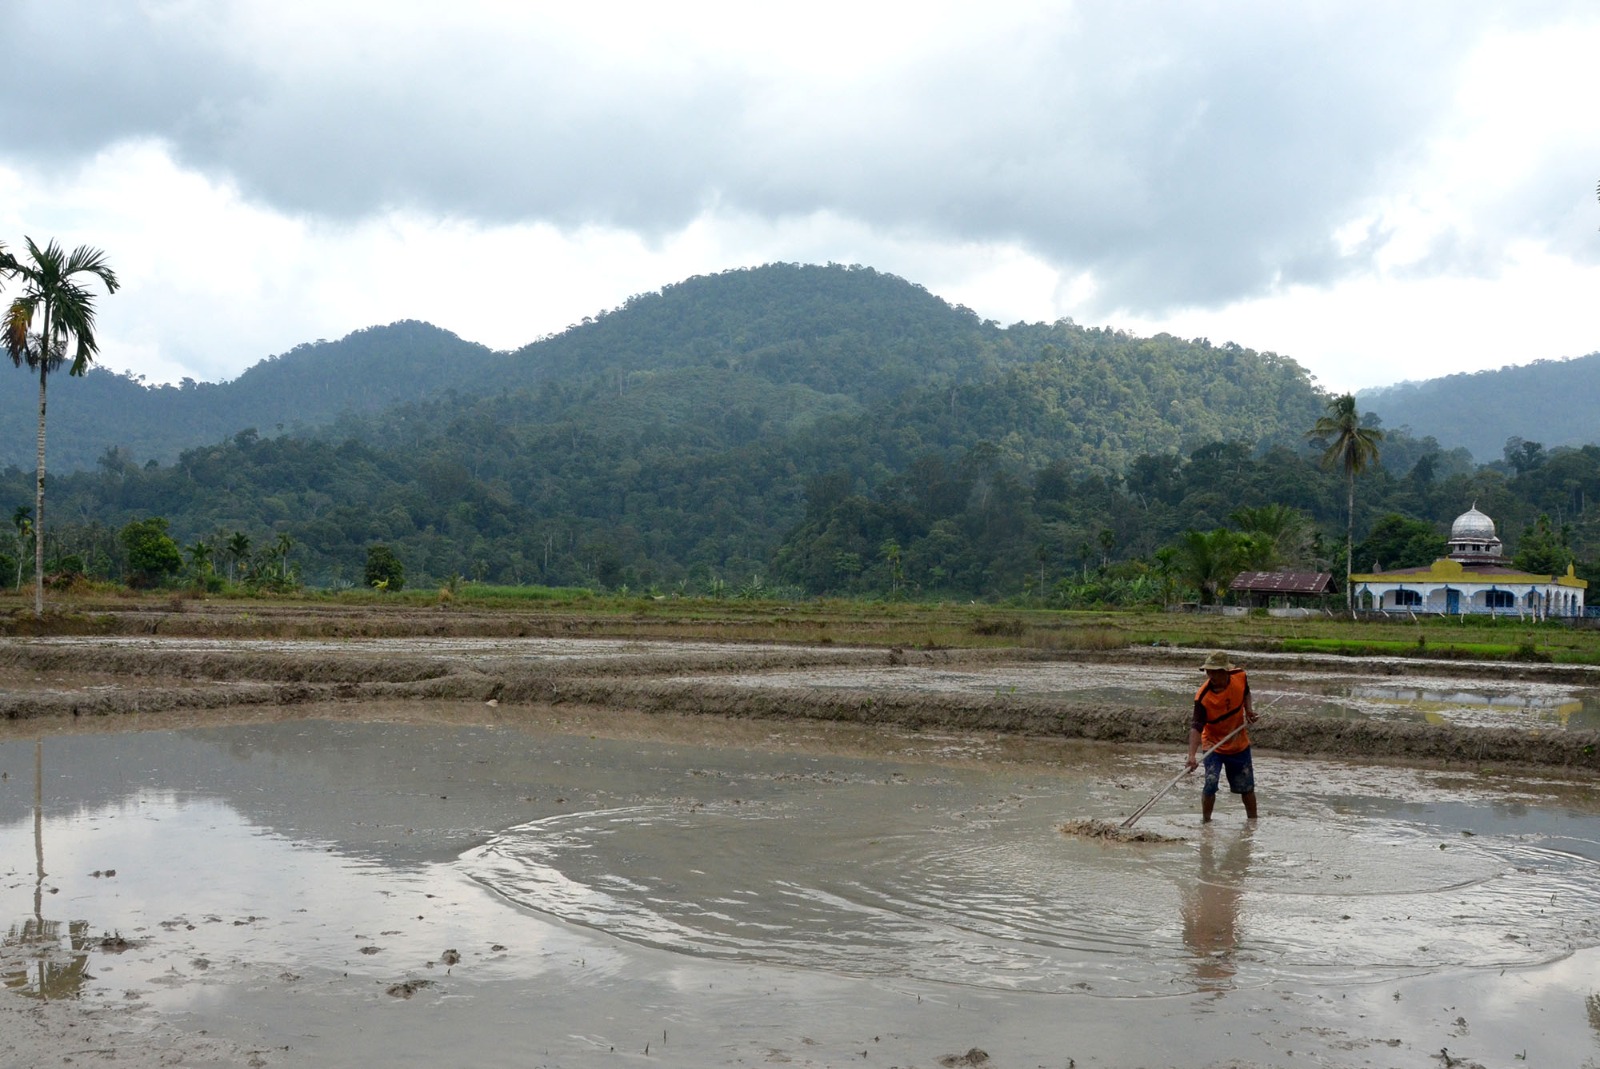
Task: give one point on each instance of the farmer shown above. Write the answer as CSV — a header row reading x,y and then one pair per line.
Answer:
x,y
1221,706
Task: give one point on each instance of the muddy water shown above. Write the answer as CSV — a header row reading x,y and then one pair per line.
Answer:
x,y
1470,702
533,888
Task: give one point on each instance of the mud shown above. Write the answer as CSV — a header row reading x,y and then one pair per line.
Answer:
x,y
1137,702
1108,832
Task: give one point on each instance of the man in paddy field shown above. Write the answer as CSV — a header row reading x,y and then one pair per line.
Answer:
x,y
1222,706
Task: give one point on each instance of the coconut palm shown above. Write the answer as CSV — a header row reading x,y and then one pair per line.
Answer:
x,y
1352,448
55,297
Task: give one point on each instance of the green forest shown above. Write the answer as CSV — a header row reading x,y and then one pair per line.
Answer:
x,y
789,429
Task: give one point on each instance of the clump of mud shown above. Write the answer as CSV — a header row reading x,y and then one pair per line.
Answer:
x,y
1107,832
407,988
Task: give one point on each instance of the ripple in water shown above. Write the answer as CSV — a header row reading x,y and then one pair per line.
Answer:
x,y
1006,901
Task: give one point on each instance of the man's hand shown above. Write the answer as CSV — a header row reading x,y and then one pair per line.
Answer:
x,y
1191,764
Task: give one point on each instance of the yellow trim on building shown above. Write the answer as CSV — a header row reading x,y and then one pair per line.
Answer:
x,y
1445,570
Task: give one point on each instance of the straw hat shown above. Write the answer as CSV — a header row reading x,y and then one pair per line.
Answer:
x,y
1218,660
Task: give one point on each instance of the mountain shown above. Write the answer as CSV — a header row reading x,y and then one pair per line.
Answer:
x,y
1552,402
310,385
688,434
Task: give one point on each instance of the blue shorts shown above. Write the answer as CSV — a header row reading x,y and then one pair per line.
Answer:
x,y
1241,773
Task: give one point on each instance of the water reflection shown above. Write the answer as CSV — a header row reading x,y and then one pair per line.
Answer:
x,y
58,963
1461,703
1211,908
51,968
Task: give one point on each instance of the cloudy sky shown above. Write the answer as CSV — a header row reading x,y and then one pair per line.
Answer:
x,y
1382,191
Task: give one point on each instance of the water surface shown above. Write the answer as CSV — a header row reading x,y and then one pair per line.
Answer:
x,y
752,891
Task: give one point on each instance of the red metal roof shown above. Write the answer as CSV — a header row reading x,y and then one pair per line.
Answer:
x,y
1283,582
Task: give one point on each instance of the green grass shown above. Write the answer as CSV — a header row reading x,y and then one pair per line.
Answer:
x,y
837,621
486,594
1393,648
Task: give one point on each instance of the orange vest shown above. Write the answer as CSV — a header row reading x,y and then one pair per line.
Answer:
x,y
1223,710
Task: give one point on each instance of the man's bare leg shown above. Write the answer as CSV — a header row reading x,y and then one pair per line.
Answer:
x,y
1249,804
1208,802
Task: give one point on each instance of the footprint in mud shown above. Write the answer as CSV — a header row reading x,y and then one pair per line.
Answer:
x,y
407,988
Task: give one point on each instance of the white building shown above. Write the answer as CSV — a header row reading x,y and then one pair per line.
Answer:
x,y
1472,578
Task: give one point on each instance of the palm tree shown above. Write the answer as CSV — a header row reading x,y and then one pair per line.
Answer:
x,y
53,294
200,558
22,520
238,552
1353,448
1208,560
1282,527
281,548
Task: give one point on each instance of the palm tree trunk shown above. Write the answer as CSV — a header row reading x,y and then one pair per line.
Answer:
x,y
38,505
1349,546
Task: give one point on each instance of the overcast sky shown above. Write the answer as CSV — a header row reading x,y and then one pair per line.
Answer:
x,y
1381,191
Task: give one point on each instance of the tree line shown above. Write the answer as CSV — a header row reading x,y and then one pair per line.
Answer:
x,y
964,522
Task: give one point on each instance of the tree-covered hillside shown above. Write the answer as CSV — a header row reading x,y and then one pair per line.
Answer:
x,y
686,434
310,385
837,330
827,429
1552,402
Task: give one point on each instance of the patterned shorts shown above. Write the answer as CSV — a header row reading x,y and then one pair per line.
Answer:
x,y
1241,773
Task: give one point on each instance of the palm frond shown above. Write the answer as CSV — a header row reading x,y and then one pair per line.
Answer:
x,y
85,260
19,316
54,288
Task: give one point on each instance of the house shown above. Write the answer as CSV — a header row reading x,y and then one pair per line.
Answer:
x,y
1471,579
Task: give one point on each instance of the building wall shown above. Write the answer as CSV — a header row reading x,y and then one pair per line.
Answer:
x,y
1541,600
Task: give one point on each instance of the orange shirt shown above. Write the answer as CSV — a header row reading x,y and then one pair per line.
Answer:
x,y
1217,712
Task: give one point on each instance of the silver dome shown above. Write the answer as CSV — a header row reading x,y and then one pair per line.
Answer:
x,y
1472,526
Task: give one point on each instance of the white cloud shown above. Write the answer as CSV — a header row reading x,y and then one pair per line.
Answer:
x,y
1413,328
1338,182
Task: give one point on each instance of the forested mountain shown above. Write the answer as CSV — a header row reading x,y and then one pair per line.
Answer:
x,y
683,435
1552,402
367,371
824,428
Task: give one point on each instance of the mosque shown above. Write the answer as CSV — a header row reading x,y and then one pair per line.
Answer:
x,y
1471,579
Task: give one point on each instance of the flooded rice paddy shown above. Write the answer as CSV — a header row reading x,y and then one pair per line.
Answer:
x,y
1340,694
425,883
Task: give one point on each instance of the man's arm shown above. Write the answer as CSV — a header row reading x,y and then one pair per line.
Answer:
x,y
1194,748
